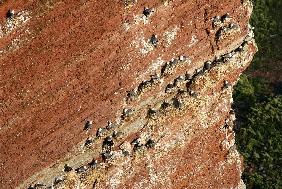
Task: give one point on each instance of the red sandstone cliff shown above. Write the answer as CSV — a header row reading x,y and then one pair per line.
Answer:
x,y
84,84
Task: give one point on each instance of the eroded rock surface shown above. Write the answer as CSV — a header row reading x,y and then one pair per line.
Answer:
x,y
121,94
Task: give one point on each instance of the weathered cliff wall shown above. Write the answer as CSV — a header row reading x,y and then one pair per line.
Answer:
x,y
126,98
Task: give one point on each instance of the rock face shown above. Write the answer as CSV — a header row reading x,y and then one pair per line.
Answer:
x,y
110,94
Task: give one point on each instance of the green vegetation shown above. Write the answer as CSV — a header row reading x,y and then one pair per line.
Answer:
x,y
258,101
266,19
260,140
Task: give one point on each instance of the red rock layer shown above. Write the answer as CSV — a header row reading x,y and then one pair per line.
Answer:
x,y
65,62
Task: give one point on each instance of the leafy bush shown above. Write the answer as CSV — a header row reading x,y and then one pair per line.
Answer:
x,y
267,22
248,91
260,143
258,102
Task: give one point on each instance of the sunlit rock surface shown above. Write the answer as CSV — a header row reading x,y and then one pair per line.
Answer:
x,y
121,94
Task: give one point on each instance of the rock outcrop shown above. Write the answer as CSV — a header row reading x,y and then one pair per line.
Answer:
x,y
121,94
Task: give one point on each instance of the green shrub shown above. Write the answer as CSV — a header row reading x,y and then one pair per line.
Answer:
x,y
258,107
267,21
260,140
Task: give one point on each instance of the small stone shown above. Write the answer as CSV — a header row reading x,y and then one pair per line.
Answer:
x,y
100,132
125,152
93,164
82,169
110,125
67,168
207,65
193,93
165,105
129,2
154,79
136,141
227,31
58,180
118,134
232,111
234,26
178,81
182,58
240,48
147,11
181,92
88,142
227,57
88,125
150,143
147,84
188,76
216,21
127,112
10,13
108,142
144,85
226,18
152,113
166,69
226,84
198,72
154,40
173,62
131,95
169,88
107,155
225,126
37,186
177,103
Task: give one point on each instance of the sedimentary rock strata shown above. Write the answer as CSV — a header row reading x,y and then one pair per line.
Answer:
x,y
121,94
